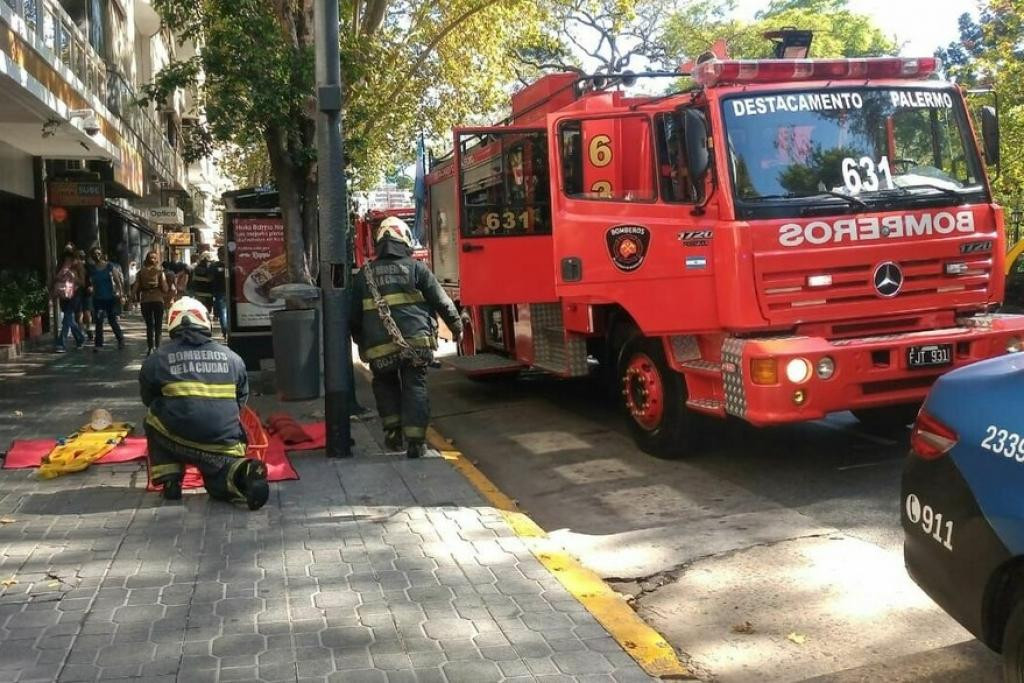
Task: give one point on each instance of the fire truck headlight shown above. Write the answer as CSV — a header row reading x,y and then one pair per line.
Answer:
x,y
1013,345
798,371
826,367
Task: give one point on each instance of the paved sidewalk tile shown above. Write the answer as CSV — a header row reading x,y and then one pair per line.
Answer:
x,y
368,569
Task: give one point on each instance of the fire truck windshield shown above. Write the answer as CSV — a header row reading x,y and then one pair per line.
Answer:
x,y
849,150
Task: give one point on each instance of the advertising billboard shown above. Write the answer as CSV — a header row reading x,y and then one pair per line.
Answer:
x,y
258,264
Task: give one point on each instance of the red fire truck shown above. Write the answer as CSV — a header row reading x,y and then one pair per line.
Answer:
x,y
365,228
784,239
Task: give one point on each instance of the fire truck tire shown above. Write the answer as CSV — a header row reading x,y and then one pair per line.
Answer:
x,y
888,419
653,400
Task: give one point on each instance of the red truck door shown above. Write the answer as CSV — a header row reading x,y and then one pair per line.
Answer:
x,y
626,228
503,192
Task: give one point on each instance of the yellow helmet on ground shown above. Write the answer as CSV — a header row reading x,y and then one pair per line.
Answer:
x,y
396,229
188,309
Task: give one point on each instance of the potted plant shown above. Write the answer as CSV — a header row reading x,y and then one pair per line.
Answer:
x,y
11,312
35,301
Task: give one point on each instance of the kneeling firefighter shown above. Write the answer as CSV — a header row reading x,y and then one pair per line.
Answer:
x,y
194,389
396,299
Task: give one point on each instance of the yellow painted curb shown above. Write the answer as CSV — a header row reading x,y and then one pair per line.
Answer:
x,y
639,640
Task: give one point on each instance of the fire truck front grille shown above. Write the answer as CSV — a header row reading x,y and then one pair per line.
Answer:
x,y
790,291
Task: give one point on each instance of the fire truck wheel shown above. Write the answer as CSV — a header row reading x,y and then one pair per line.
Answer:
x,y
653,397
888,419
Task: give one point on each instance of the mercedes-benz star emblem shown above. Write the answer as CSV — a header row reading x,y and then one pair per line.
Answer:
x,y
888,279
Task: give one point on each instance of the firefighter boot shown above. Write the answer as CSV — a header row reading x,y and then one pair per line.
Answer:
x,y
417,449
393,439
171,489
253,483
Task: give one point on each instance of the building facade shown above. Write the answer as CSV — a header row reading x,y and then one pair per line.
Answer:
x,y
81,161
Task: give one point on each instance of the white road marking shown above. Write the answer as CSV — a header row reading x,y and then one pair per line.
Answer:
x,y
541,443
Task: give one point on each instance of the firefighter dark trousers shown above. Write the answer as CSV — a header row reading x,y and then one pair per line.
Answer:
x,y
167,460
401,394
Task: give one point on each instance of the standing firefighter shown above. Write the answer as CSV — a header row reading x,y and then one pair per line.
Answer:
x,y
202,281
395,302
194,389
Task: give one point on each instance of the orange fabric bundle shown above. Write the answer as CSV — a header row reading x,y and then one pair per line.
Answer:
x,y
287,428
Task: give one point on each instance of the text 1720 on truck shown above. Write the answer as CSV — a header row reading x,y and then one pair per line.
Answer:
x,y
785,239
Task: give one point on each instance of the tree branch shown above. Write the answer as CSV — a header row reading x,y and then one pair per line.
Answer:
x,y
432,45
544,66
373,17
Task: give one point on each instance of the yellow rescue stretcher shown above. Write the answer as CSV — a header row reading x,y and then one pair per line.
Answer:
x,y
79,450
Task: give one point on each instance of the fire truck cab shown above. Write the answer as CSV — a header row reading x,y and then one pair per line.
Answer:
x,y
784,239
365,229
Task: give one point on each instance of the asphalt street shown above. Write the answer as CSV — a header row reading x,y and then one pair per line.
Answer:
x,y
772,555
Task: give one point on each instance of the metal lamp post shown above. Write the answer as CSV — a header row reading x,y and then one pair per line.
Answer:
x,y
333,214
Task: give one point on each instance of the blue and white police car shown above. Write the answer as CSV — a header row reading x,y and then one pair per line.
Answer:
x,y
963,503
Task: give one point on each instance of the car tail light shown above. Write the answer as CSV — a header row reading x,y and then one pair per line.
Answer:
x,y
931,439
717,71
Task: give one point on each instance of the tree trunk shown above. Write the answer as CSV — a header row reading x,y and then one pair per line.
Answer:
x,y
290,199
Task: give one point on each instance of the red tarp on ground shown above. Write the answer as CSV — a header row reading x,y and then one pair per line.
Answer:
x,y
26,453
30,452
317,430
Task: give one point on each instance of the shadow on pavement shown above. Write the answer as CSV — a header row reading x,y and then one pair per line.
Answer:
x,y
88,500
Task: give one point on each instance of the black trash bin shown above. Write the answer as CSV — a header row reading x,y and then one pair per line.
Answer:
x,y
296,335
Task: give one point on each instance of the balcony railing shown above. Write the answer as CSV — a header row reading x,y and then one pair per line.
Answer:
x,y
56,31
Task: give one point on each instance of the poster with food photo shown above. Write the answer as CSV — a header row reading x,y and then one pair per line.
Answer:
x,y
259,266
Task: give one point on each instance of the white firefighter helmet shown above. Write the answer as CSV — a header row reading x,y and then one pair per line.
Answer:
x,y
187,308
395,228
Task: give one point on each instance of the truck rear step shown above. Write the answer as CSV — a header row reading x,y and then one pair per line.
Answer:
x,y
484,364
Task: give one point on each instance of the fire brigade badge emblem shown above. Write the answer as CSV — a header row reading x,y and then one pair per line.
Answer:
x,y
627,245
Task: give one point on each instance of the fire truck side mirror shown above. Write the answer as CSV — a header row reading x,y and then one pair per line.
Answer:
x,y
695,134
990,134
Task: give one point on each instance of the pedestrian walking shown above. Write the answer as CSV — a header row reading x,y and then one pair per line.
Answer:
x,y
396,300
172,292
208,286
202,281
107,294
64,289
83,299
195,389
220,308
182,276
133,273
150,290
121,303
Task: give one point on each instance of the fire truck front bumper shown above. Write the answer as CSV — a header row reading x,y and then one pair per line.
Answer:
x,y
779,380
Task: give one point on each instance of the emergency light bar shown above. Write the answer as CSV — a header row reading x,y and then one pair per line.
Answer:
x,y
716,71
